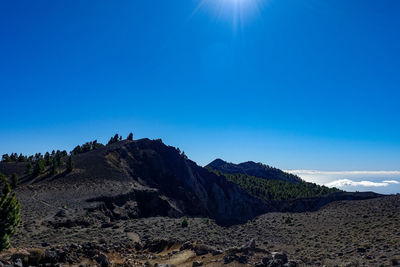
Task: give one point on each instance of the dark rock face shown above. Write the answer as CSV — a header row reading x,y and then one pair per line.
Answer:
x,y
254,169
176,186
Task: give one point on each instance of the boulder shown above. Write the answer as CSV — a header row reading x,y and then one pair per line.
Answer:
x,y
197,263
203,249
50,256
18,263
279,256
102,259
186,245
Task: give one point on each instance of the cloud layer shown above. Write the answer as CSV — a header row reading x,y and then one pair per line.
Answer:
x,y
352,179
348,182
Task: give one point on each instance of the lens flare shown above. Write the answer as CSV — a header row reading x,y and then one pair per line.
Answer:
x,y
237,12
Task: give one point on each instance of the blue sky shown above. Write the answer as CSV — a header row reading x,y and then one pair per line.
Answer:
x,y
295,84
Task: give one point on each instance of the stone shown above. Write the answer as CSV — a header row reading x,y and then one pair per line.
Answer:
x,y
197,263
251,244
290,264
229,258
280,256
361,250
102,259
18,263
186,245
50,256
243,259
203,249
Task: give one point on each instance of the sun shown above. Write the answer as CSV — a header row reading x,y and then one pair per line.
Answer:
x,y
236,12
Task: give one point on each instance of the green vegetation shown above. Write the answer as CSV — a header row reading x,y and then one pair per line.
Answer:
x,y
276,189
9,214
185,222
130,137
29,168
54,166
114,139
14,181
70,164
86,147
39,167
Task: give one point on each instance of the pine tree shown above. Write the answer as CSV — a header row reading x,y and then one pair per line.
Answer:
x,y
9,215
53,167
6,158
130,137
14,180
70,164
39,167
29,168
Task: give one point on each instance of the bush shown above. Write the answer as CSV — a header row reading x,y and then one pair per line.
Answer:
x,y
185,222
10,209
35,257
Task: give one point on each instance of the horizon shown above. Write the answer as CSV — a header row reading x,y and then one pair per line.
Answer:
x,y
295,85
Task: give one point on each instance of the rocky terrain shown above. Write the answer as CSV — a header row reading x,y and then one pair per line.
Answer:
x,y
126,205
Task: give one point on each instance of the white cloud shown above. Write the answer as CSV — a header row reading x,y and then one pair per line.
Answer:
x,y
348,182
315,172
381,181
391,182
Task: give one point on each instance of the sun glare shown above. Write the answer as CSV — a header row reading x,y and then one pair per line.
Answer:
x,y
238,12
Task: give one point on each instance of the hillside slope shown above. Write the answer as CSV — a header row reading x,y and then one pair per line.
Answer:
x,y
253,169
142,178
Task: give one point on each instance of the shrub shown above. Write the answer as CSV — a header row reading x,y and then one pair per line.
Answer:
x,y
185,222
35,257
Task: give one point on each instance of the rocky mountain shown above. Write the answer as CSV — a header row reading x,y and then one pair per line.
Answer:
x,y
253,169
142,178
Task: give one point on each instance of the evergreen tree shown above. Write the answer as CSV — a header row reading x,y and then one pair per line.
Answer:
x,y
53,167
114,139
130,137
21,158
47,158
14,181
29,168
9,215
77,150
70,164
59,158
39,167
6,158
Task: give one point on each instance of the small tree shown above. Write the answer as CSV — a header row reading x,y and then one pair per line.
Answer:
x,y
10,209
29,168
47,158
21,158
39,167
53,167
70,164
130,137
14,180
6,158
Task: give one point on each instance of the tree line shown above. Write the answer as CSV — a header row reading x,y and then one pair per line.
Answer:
x,y
266,189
